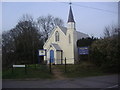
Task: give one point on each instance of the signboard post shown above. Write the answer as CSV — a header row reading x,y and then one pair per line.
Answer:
x,y
41,52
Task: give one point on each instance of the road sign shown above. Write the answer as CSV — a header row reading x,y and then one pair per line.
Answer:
x,y
42,52
83,50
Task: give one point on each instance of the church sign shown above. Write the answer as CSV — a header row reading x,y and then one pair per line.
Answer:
x,y
83,50
42,52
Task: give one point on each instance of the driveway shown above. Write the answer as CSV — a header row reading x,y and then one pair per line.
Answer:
x,y
109,81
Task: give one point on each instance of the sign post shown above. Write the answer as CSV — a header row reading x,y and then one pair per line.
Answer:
x,y
50,65
20,66
83,51
65,64
41,52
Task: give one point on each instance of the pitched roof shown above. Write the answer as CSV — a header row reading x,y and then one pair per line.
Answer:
x,y
64,29
56,46
81,35
70,17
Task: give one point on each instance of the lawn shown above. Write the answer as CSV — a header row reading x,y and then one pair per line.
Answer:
x,y
40,71
84,69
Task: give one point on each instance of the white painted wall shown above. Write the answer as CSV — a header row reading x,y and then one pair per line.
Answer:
x,y
68,48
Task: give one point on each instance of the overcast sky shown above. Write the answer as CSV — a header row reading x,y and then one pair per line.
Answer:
x,y
90,17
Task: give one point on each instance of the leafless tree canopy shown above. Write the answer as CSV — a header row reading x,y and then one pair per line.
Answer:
x,y
111,31
47,24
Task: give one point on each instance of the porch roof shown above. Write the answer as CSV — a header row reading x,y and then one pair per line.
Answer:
x,y
56,46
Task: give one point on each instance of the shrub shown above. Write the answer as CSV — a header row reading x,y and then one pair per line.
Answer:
x,y
104,53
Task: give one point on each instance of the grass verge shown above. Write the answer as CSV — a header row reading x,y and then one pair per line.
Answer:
x,y
38,71
84,69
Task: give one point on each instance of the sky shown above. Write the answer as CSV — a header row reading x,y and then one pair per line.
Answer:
x,y
90,17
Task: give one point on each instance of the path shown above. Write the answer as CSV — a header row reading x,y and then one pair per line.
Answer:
x,y
57,73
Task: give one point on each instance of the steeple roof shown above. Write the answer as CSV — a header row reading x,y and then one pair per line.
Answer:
x,y
70,17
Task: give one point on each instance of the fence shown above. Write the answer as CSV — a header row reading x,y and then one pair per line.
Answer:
x,y
28,67
60,61
63,62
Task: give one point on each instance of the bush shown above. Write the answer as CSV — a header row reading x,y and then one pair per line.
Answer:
x,y
104,53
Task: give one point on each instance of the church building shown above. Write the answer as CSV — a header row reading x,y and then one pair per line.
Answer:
x,y
62,43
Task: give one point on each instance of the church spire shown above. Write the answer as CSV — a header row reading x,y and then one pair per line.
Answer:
x,y
70,17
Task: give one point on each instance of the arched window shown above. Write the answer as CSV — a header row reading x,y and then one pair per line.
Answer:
x,y
56,36
69,38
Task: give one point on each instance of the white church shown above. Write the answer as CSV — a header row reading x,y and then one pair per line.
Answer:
x,y
62,43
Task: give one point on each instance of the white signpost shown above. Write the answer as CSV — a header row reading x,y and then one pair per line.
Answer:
x,y
41,52
19,66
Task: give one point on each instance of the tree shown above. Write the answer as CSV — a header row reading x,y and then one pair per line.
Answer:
x,y
22,42
7,49
0,41
86,41
105,51
107,32
111,31
47,24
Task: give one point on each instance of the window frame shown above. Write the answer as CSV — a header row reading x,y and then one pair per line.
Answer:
x,y
69,39
57,36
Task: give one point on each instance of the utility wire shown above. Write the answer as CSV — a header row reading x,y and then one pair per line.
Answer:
x,y
95,8
104,10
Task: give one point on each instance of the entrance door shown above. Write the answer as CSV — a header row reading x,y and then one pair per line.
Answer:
x,y
52,56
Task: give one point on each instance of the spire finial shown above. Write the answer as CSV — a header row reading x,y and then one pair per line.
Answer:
x,y
70,3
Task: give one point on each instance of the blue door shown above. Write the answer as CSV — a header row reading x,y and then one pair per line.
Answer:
x,y
52,56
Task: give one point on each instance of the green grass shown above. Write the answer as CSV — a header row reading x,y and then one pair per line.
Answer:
x,y
41,71
84,69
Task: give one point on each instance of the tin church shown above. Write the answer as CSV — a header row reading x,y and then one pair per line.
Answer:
x,y
62,43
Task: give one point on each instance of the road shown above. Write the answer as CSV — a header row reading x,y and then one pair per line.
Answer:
x,y
109,81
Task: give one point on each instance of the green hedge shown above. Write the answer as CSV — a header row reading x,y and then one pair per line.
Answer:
x,y
105,53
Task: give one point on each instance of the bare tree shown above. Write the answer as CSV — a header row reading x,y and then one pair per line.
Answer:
x,y
107,32
58,22
47,23
26,17
111,31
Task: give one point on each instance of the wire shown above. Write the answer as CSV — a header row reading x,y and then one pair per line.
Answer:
x,y
95,8
104,10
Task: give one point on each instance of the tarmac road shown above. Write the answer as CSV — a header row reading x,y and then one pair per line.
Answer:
x,y
109,81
